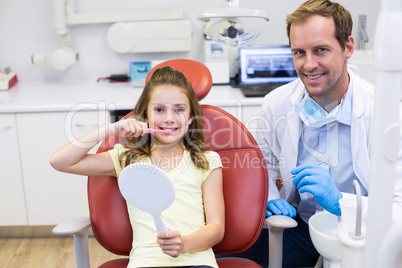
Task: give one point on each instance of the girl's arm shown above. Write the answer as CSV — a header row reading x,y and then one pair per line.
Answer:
x,y
173,244
74,158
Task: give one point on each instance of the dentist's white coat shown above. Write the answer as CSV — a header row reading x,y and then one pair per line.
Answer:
x,y
280,128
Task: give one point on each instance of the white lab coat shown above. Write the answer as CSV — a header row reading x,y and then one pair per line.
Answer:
x,y
280,128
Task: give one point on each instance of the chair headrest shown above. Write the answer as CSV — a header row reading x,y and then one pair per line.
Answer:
x,y
197,74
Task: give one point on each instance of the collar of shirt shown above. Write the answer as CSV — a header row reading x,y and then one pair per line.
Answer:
x,y
346,108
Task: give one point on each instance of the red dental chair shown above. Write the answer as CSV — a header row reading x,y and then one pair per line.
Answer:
x,y
245,183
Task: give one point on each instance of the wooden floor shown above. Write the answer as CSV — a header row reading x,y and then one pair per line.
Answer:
x,y
47,253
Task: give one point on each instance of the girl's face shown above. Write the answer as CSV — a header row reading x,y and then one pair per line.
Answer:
x,y
169,108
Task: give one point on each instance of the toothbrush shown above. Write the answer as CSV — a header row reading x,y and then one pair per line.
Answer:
x,y
150,130
292,176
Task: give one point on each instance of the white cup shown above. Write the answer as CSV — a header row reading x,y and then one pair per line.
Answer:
x,y
348,212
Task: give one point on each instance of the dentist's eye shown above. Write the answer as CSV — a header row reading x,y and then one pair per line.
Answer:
x,y
298,53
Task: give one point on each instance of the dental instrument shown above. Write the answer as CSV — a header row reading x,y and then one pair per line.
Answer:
x,y
292,176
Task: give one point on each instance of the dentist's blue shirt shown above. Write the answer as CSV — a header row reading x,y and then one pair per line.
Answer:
x,y
331,141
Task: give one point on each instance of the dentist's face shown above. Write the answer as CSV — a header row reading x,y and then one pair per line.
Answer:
x,y
319,59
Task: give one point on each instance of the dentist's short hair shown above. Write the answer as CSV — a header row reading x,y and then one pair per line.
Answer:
x,y
341,16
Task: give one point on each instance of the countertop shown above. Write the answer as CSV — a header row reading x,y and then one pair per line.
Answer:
x,y
30,97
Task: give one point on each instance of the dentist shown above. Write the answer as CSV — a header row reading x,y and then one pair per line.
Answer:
x,y
324,116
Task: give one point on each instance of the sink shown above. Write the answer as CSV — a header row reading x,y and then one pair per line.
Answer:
x,y
323,228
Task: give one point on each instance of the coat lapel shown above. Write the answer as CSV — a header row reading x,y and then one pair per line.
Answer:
x,y
290,141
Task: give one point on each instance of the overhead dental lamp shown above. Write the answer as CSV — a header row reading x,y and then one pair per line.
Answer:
x,y
226,26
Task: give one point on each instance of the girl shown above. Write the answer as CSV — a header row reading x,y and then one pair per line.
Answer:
x,y
196,217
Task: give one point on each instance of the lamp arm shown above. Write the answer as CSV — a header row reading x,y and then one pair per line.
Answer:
x,y
65,16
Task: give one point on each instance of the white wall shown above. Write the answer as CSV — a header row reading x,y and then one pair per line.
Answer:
x,y
26,27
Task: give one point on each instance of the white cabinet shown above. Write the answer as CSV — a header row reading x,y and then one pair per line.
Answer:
x,y
247,114
52,196
12,199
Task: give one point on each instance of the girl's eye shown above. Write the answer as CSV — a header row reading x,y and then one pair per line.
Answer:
x,y
179,110
158,109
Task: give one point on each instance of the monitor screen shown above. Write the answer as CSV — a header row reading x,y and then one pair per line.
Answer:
x,y
265,64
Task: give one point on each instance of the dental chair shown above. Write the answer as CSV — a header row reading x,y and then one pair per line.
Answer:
x,y
245,186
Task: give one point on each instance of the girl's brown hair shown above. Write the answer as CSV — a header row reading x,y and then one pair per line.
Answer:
x,y
193,141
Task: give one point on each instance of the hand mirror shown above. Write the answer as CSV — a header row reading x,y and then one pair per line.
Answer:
x,y
147,188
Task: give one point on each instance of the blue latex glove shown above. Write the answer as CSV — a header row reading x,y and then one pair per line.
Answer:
x,y
317,181
280,207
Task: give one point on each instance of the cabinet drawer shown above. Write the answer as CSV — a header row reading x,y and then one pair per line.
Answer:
x,y
82,122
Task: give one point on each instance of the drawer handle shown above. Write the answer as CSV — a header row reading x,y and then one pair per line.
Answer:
x,y
5,127
89,125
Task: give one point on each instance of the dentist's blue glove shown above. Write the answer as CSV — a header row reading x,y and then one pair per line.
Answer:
x,y
280,207
317,181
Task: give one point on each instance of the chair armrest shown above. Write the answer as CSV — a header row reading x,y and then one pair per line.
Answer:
x,y
276,225
78,228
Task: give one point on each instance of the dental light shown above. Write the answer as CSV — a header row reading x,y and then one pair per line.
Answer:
x,y
130,32
226,26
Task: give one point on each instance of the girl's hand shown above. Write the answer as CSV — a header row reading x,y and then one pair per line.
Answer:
x,y
129,128
171,243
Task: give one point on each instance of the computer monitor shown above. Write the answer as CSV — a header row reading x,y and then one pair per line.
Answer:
x,y
266,64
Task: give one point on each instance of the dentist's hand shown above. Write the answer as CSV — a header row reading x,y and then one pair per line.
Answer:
x,y
317,181
280,207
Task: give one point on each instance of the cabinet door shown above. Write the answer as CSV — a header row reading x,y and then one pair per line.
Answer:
x,y
53,196
251,116
12,200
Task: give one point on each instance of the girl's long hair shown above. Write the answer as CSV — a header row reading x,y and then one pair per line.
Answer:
x,y
193,141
